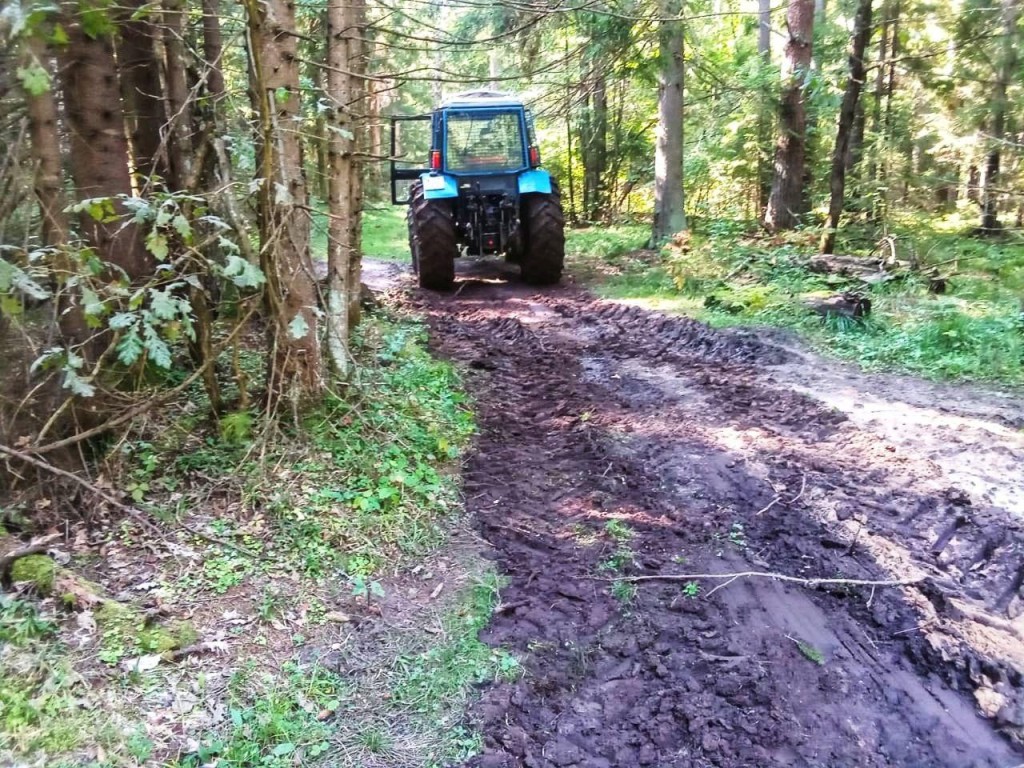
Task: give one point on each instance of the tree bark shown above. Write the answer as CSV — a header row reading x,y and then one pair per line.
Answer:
x,y
357,66
669,201
785,201
45,140
296,369
340,144
143,95
847,120
594,143
764,121
997,134
213,50
179,105
99,146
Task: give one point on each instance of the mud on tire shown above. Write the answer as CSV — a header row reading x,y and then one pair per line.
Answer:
x,y
543,230
431,240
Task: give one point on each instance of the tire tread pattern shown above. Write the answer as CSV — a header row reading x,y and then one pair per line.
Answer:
x,y
544,234
431,240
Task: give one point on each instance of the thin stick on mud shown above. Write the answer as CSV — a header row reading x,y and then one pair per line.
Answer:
x,y
777,499
807,582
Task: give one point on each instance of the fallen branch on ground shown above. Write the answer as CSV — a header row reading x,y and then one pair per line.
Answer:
x,y
807,582
136,514
777,499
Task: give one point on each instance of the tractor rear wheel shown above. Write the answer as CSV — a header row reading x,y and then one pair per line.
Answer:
x,y
431,240
544,234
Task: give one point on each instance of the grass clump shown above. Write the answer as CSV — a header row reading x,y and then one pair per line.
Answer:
x,y
275,722
438,679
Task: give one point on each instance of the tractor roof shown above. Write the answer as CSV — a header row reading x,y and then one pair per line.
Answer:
x,y
482,98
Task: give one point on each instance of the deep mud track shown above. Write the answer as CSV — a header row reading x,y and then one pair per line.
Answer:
x,y
700,444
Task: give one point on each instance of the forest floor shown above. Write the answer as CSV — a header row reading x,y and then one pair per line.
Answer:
x,y
330,596
632,469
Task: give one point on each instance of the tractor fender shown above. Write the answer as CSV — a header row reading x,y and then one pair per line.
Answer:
x,y
438,186
535,181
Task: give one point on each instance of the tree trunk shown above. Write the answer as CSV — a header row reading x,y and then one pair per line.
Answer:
x,y
213,50
45,140
99,146
594,143
143,95
296,370
340,145
357,66
669,210
764,121
179,104
785,201
847,120
1007,66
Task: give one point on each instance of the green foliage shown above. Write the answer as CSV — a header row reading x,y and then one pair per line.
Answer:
x,y
385,489
811,653
20,622
624,591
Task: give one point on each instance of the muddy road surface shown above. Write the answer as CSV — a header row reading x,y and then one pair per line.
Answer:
x,y
617,443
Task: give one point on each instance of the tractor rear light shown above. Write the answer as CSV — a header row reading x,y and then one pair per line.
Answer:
x,y
435,160
534,156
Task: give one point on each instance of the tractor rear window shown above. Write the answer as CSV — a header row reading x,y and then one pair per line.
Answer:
x,y
481,142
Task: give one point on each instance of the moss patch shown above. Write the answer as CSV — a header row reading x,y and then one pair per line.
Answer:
x,y
37,570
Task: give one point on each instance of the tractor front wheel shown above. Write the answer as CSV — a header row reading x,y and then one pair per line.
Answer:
x,y
431,240
543,228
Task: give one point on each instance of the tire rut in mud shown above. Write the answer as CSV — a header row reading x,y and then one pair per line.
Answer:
x,y
591,412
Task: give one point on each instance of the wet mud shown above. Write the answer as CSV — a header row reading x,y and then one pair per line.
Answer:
x,y
616,442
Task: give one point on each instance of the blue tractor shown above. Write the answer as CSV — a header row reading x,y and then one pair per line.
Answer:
x,y
482,193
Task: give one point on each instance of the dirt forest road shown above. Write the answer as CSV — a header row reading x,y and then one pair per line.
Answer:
x,y
723,452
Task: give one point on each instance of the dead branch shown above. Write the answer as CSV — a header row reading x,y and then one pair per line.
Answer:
x,y
807,582
34,547
210,646
148,405
777,499
46,466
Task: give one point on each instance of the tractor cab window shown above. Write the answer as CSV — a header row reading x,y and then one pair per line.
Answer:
x,y
484,142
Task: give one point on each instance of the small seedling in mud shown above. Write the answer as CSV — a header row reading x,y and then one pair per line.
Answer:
x,y
624,591
617,561
365,589
270,605
691,589
812,653
737,537
509,668
618,530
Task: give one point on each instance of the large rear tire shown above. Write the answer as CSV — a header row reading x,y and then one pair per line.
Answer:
x,y
543,226
431,240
